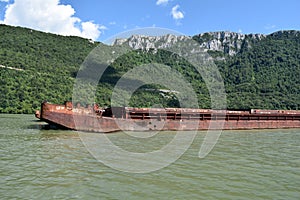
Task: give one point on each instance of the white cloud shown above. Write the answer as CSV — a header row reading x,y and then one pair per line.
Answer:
x,y
50,16
162,2
270,26
176,14
91,30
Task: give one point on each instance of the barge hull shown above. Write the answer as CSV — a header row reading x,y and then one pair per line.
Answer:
x,y
135,119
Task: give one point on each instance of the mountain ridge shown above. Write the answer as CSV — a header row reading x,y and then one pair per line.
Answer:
x,y
259,71
229,43
224,41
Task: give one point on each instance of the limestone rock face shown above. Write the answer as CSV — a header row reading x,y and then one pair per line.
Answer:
x,y
151,42
229,43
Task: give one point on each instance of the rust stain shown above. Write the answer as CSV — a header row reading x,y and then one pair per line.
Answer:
x,y
95,119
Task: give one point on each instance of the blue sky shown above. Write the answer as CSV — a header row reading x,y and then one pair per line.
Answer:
x,y
101,19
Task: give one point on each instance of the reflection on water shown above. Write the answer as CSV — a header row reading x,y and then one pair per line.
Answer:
x,y
54,164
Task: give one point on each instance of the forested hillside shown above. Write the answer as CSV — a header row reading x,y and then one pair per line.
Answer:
x,y
267,75
47,66
36,66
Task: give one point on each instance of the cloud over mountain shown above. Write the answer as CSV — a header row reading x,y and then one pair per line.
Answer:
x,y
50,16
176,14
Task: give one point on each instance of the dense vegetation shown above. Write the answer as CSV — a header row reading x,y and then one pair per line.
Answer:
x,y
267,75
38,66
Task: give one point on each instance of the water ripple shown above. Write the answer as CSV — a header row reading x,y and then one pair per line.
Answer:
x,y
48,164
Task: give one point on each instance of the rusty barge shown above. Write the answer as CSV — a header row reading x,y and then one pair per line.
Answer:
x,y
95,119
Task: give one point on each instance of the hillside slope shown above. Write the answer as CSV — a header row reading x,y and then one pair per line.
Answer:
x,y
48,65
260,71
267,75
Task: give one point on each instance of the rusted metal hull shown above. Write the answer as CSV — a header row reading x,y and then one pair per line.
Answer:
x,y
134,119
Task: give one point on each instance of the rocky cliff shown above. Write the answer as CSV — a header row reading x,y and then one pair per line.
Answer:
x,y
151,42
228,43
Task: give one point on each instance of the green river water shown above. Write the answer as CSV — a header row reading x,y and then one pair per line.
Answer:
x,y
54,164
